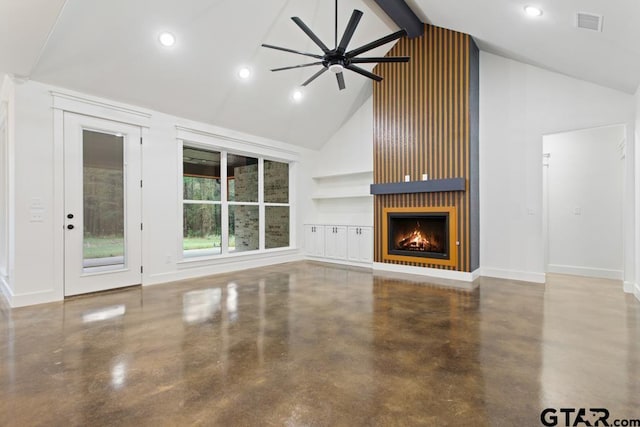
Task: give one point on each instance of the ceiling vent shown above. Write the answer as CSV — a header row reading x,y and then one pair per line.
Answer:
x,y
589,21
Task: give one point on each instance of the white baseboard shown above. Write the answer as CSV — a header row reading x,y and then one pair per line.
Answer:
x,y
30,298
429,272
628,287
229,265
523,276
600,273
636,291
339,261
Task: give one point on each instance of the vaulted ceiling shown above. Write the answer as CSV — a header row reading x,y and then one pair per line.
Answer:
x,y
110,49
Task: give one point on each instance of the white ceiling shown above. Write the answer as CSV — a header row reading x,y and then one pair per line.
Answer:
x,y
110,49
610,58
24,28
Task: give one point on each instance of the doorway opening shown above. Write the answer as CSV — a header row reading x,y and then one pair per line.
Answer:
x,y
583,173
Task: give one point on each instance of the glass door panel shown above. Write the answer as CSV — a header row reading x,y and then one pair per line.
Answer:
x,y
103,200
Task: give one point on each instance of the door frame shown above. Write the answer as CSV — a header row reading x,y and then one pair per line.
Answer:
x,y
88,106
78,279
627,198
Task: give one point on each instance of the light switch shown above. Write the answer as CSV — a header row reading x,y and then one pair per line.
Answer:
x,y
36,210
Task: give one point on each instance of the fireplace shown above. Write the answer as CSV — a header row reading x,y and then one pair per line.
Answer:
x,y
420,235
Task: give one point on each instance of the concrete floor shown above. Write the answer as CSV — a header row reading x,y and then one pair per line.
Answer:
x,y
315,344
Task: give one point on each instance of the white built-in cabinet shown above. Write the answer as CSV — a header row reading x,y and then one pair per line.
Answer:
x,y
360,244
335,241
339,243
314,240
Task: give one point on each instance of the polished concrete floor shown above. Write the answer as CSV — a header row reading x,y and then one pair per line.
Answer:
x,y
309,344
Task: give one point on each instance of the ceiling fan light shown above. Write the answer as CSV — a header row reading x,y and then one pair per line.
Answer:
x,y
336,68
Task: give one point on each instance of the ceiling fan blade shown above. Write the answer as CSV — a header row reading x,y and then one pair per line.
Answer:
x,y
374,44
381,59
340,78
284,49
310,33
348,32
315,76
364,72
297,66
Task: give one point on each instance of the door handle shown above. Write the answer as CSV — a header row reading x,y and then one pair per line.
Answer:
x,y
70,227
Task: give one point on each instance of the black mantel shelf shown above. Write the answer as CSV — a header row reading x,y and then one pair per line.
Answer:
x,y
429,186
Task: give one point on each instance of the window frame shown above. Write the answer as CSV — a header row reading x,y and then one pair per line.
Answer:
x,y
224,151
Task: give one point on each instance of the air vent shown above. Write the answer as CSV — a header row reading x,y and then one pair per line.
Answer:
x,y
589,21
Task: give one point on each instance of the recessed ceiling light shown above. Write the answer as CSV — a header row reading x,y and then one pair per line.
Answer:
x,y
244,73
533,11
167,39
297,95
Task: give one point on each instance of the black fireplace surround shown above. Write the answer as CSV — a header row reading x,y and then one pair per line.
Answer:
x,y
419,234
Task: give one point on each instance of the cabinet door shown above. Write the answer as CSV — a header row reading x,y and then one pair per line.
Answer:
x,y
341,242
314,240
309,240
330,241
319,240
353,244
366,244
335,241
360,244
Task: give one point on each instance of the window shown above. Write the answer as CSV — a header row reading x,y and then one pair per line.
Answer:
x,y
276,199
244,224
202,207
233,203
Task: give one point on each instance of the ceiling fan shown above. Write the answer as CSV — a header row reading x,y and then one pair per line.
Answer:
x,y
338,58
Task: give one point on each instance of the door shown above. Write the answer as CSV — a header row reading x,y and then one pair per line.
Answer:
x,y
102,185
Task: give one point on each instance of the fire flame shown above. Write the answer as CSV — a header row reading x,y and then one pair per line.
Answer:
x,y
417,241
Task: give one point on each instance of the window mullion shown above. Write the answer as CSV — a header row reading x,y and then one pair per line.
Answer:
x,y
225,204
261,210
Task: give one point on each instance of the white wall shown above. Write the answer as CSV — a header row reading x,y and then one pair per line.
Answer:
x,y
519,104
7,97
583,193
38,244
634,286
348,151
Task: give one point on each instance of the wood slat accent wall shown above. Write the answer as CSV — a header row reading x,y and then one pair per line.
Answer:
x,y
422,124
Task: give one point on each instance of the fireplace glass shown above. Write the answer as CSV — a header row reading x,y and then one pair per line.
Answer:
x,y
419,234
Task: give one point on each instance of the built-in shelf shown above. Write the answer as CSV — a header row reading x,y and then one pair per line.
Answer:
x,y
429,186
343,175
